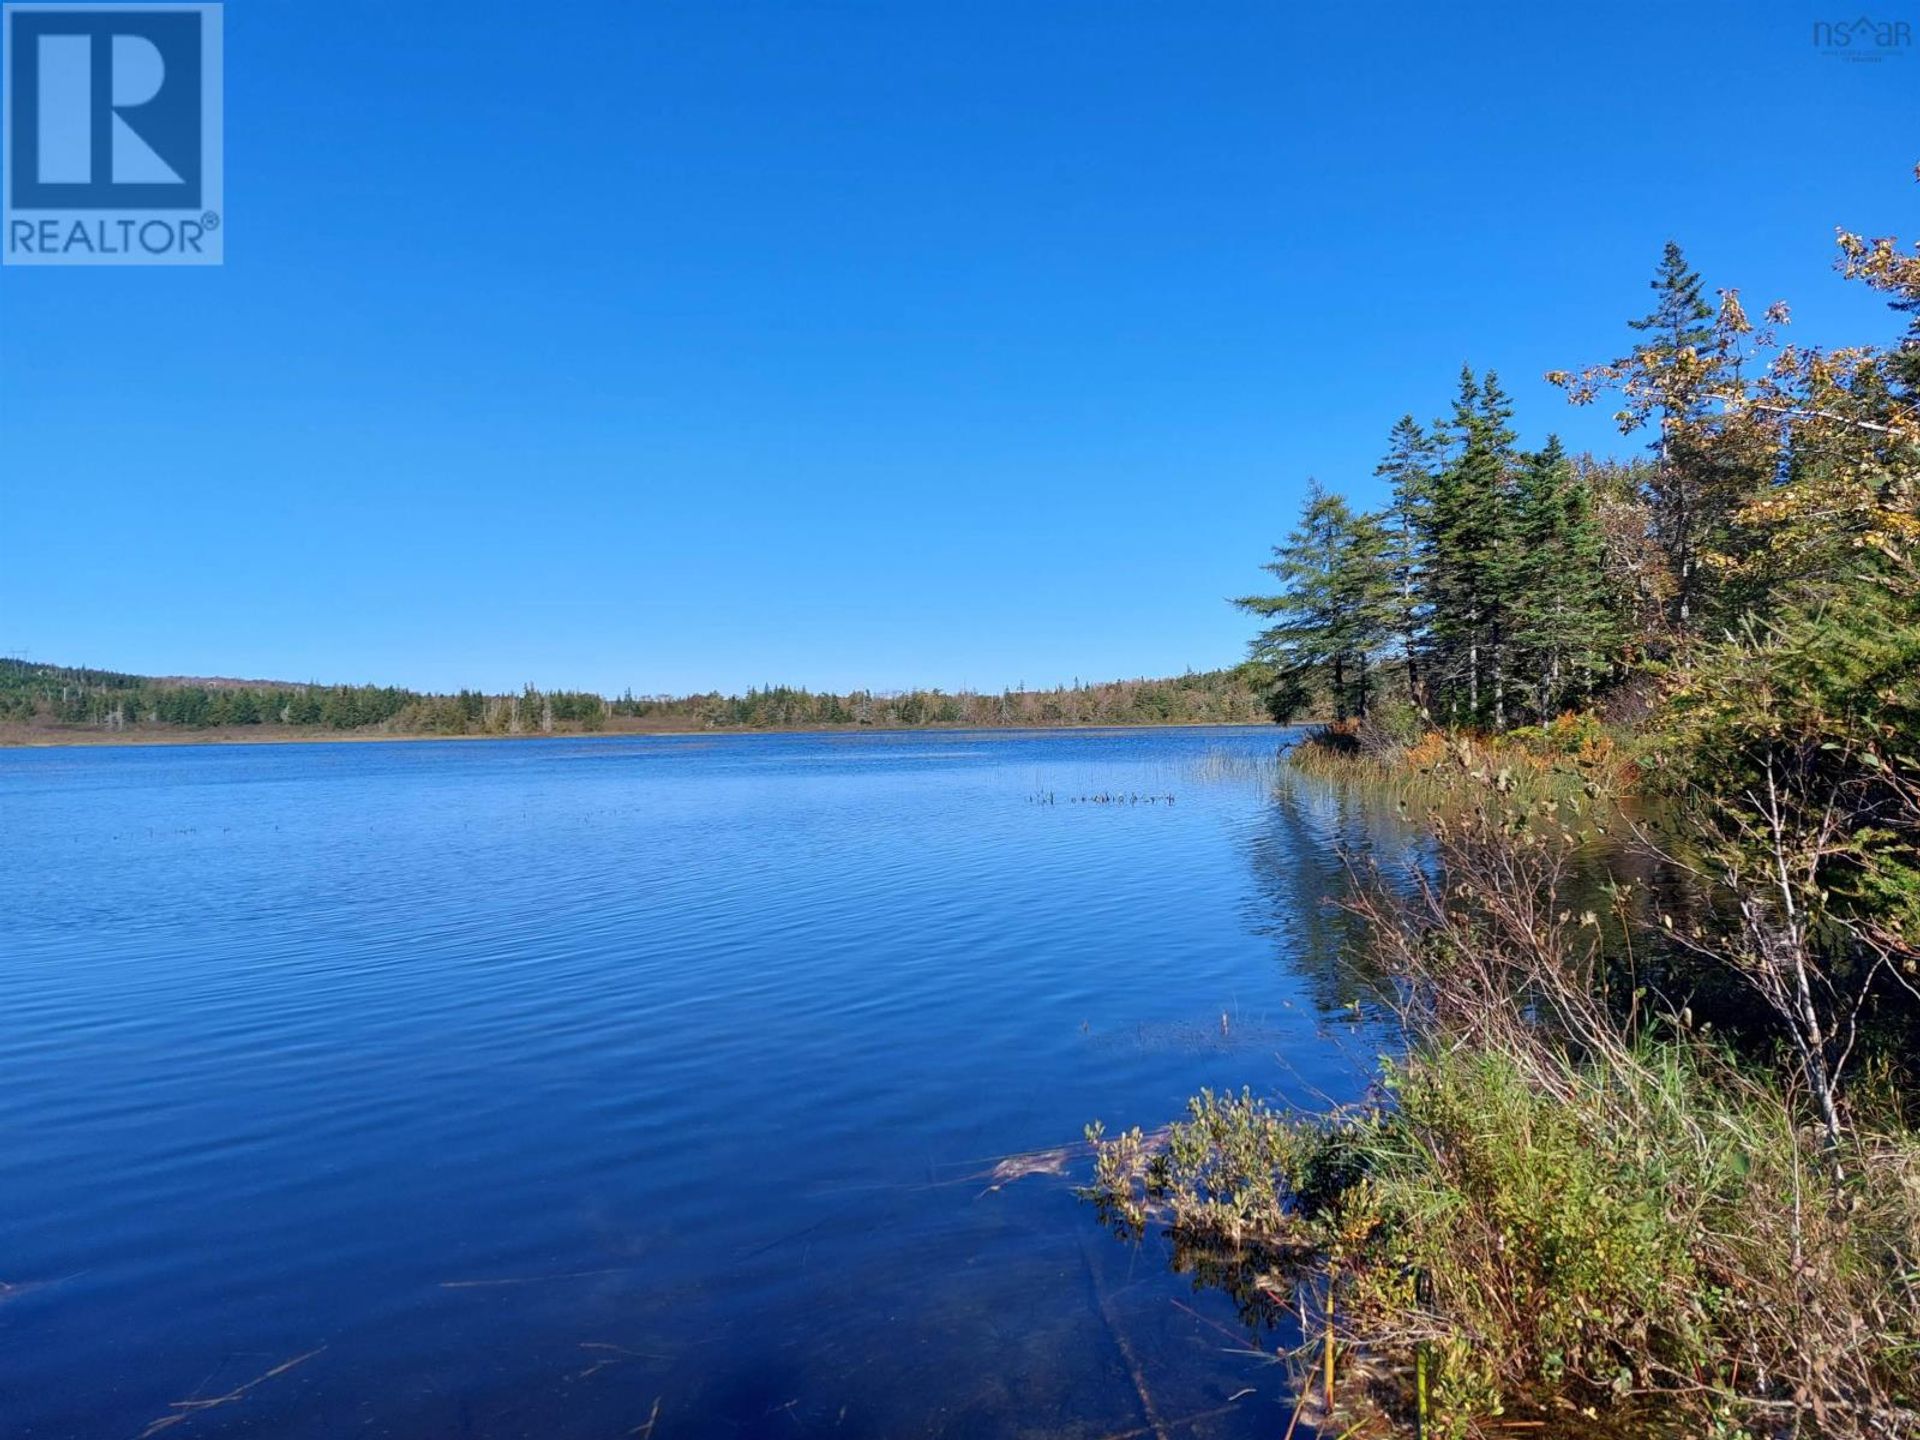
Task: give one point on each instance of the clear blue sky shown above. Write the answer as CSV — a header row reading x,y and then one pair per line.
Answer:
x,y
696,345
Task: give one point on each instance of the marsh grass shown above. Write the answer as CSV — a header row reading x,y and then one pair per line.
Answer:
x,y
1553,1210
1231,767
1570,759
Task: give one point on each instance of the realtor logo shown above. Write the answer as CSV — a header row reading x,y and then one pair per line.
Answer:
x,y
112,132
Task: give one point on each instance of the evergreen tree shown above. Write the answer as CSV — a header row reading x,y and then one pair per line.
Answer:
x,y
1473,571
1566,625
1408,469
1679,332
1504,563
1681,319
1333,615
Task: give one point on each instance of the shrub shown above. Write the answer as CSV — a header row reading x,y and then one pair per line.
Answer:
x,y
1546,1209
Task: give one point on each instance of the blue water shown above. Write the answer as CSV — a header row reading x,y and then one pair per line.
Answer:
x,y
542,1088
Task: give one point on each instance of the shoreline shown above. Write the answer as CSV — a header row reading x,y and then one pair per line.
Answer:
x,y
86,740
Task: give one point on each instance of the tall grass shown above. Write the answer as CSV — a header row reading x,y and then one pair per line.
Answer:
x,y
1562,1206
1569,758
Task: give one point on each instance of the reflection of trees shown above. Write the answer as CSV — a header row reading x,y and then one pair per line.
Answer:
x,y
1300,854
1317,835
1645,898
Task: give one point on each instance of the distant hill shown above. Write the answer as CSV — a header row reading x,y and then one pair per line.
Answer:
x,y
40,702
220,682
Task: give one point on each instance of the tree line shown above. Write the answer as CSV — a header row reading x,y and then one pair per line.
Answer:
x,y
38,695
1205,697
56,695
1742,597
1500,585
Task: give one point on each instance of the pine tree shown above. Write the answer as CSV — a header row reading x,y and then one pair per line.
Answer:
x,y
1566,619
1504,563
1679,330
1408,468
1681,318
1333,613
1472,571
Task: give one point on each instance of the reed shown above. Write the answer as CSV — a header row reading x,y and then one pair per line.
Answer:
x,y
1573,758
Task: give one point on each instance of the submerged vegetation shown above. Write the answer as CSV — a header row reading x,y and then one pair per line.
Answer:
x,y
1648,1162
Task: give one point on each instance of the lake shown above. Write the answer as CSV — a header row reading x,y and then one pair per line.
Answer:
x,y
568,1087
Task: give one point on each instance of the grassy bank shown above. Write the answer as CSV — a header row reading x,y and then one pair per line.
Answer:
x,y
1571,757
1572,1204
1645,1244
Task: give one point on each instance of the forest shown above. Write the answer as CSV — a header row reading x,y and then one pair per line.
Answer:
x,y
1501,586
50,701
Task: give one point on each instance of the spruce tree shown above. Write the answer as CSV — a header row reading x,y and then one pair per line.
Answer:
x,y
1408,469
1566,619
1678,329
1504,564
1472,571
1449,582
1681,318
1332,615
1367,595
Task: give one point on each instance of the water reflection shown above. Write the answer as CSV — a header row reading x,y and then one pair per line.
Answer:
x,y
524,1088
1315,839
